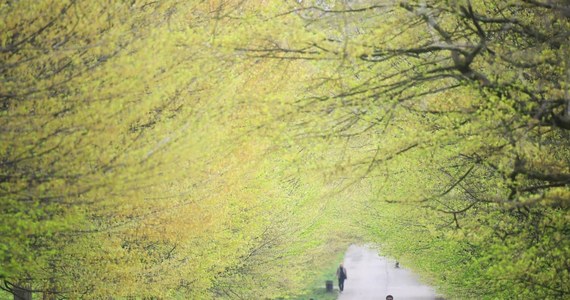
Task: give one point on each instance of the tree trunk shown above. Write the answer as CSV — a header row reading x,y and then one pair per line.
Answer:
x,y
21,293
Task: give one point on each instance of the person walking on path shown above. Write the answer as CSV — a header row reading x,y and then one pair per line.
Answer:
x,y
342,276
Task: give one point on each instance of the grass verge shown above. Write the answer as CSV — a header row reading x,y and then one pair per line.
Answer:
x,y
316,289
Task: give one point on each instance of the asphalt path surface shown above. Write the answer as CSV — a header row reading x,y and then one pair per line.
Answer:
x,y
373,277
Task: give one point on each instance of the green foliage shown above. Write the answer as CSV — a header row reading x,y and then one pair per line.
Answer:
x,y
456,113
317,279
224,149
135,156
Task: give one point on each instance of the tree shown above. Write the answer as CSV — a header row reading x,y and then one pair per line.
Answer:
x,y
474,94
131,143
172,149
85,123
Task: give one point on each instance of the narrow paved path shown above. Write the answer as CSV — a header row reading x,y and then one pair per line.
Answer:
x,y
373,277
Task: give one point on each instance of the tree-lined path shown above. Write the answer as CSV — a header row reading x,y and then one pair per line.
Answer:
x,y
373,277
227,149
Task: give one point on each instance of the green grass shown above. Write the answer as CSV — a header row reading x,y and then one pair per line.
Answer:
x,y
316,289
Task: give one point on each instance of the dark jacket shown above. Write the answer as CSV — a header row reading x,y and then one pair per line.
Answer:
x,y
341,274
